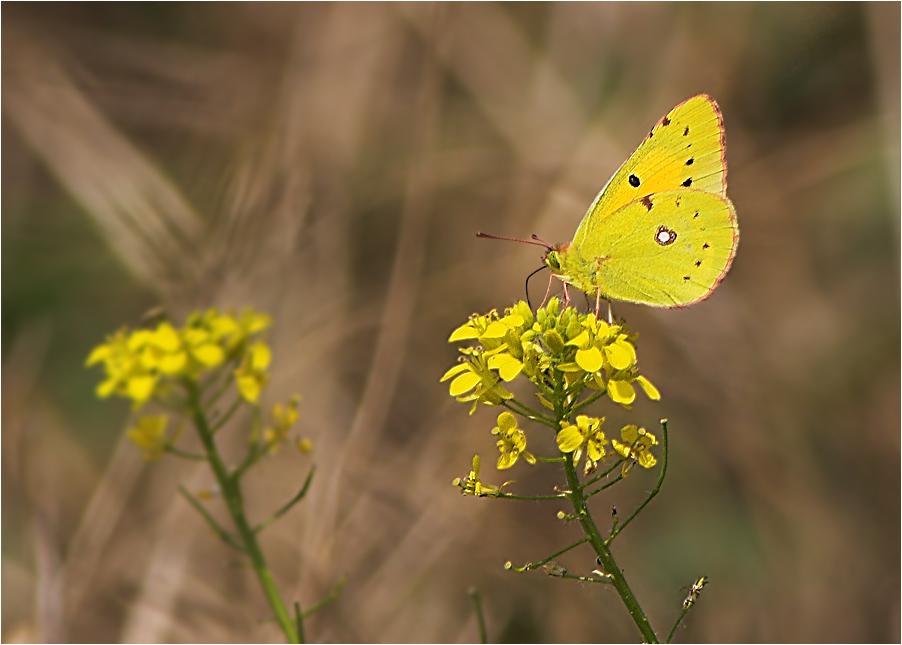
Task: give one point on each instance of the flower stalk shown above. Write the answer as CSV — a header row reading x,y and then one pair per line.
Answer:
x,y
215,359
572,360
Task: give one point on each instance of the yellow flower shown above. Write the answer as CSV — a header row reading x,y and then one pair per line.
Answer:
x,y
251,376
472,486
511,442
283,418
149,434
635,447
586,436
475,375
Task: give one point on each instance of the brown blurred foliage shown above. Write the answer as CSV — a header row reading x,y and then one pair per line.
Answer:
x,y
330,164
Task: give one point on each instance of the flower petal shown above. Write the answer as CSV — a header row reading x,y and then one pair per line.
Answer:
x,y
650,390
464,383
589,359
569,439
508,367
457,369
621,392
620,354
464,332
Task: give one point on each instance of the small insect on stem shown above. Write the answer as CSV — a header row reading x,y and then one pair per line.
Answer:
x,y
694,591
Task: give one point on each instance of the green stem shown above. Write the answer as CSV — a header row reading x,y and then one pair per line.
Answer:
x,y
677,623
530,498
228,415
287,507
605,486
231,493
653,492
529,413
480,619
542,563
333,595
605,557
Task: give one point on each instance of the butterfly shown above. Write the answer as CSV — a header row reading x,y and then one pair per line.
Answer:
x,y
662,231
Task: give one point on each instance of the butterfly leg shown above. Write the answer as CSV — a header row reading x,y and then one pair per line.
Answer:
x,y
547,292
597,300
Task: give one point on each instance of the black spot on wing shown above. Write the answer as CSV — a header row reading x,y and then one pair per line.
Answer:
x,y
646,201
698,263
706,246
690,161
665,121
634,181
686,278
688,182
686,131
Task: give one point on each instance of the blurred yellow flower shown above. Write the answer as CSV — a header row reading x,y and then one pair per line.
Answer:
x,y
149,434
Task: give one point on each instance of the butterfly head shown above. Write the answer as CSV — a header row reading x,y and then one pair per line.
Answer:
x,y
553,256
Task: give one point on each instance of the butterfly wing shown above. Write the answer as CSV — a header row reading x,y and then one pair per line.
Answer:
x,y
685,149
670,249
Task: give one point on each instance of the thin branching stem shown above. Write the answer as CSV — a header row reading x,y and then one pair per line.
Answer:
x,y
598,581
541,563
531,498
287,507
605,486
299,622
616,531
184,454
587,402
601,476
224,419
224,535
529,413
480,619
231,493
593,536
608,564
333,595
677,623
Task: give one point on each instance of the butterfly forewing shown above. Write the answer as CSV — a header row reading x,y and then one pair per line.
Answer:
x,y
685,149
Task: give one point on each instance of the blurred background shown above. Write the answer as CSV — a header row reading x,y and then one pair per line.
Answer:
x,y
330,164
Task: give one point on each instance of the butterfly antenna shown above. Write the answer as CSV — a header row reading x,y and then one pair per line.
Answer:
x,y
535,240
528,302
542,242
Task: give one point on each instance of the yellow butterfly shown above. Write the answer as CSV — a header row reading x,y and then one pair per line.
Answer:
x,y
662,232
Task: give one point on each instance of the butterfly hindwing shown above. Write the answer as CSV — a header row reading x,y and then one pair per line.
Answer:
x,y
669,249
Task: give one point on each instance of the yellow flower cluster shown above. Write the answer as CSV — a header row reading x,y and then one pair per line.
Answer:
x,y
586,437
562,352
145,363
588,353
